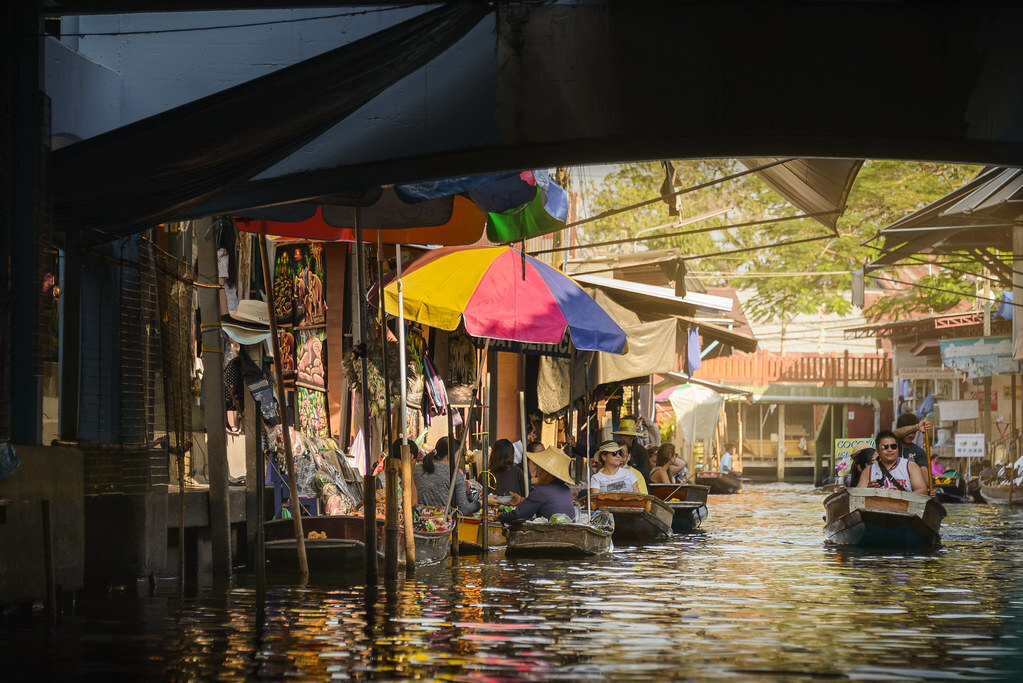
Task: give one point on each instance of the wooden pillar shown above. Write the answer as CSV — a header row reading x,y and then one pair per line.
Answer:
x,y
213,403
738,449
781,442
254,477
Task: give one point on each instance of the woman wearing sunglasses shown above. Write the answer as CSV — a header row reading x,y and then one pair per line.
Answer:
x,y
889,471
613,476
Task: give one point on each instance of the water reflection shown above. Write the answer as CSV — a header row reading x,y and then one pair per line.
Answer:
x,y
756,595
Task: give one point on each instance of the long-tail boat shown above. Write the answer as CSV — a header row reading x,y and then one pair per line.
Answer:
x,y
687,501
470,535
638,518
528,539
720,482
882,517
1004,494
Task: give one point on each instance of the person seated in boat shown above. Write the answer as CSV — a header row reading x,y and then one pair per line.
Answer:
x,y
667,466
613,477
889,471
641,479
726,458
628,430
432,479
861,460
550,494
504,477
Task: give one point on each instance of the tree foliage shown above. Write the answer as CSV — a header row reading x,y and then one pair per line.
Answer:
x,y
884,191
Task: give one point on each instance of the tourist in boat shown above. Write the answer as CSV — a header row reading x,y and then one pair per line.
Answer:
x,y
726,458
613,477
550,494
637,458
890,471
668,466
504,477
432,479
861,460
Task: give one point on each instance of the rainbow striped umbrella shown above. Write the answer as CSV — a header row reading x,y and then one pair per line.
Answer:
x,y
502,295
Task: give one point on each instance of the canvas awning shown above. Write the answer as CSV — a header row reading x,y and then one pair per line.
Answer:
x,y
697,410
676,378
814,185
977,218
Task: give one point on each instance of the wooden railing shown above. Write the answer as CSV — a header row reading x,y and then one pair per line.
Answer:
x,y
827,370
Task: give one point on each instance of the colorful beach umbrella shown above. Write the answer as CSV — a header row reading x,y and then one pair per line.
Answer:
x,y
501,294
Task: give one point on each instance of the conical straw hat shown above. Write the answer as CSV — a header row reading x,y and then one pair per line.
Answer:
x,y
555,461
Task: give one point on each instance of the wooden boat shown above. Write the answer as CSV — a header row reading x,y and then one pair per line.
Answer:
x,y
973,490
556,540
431,546
687,501
343,549
638,518
882,517
470,535
1001,495
719,482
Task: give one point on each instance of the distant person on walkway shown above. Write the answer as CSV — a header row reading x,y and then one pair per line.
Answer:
x,y
906,428
612,477
504,477
726,458
861,460
890,471
628,432
432,479
668,465
550,494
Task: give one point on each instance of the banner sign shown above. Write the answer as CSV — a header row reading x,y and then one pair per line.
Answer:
x,y
947,411
562,350
979,356
929,372
844,449
969,446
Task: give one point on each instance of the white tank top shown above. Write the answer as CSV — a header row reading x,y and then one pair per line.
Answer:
x,y
899,472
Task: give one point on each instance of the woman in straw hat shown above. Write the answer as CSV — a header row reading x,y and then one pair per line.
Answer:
x,y
550,494
613,475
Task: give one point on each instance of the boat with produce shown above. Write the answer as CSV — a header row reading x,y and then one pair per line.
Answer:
x,y
882,518
333,542
720,482
688,503
638,518
546,539
1001,494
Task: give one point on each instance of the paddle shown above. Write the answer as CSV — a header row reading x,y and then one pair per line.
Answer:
x,y
930,477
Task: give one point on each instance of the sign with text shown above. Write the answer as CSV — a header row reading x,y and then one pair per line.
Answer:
x,y
929,372
844,449
969,446
979,356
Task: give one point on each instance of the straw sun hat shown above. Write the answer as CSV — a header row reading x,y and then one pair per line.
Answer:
x,y
554,461
628,427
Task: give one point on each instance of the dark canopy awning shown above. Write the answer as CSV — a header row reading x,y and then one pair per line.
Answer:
x,y
814,185
159,168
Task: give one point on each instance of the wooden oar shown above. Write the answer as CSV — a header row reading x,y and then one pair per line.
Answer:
x,y
930,477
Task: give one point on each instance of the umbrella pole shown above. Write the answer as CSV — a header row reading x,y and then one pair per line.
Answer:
x,y
406,454
369,491
586,405
392,469
522,421
289,458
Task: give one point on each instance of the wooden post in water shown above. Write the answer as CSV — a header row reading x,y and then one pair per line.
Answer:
x,y
369,482
406,453
289,458
781,442
391,470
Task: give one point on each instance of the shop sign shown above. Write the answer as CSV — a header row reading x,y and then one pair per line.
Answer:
x,y
930,372
562,350
969,446
979,356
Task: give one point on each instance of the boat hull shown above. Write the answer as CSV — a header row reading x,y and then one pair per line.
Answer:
x,y
431,546
719,482
638,518
470,535
882,518
322,554
687,501
950,490
557,540
1002,495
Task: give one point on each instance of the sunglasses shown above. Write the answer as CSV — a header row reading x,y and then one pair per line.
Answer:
x,y
889,446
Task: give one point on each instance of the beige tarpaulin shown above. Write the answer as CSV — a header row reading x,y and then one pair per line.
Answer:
x,y
814,185
652,348
697,410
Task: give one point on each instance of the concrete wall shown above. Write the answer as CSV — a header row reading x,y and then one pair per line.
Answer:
x,y
46,473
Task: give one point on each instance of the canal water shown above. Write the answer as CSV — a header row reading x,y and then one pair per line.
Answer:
x,y
754,596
